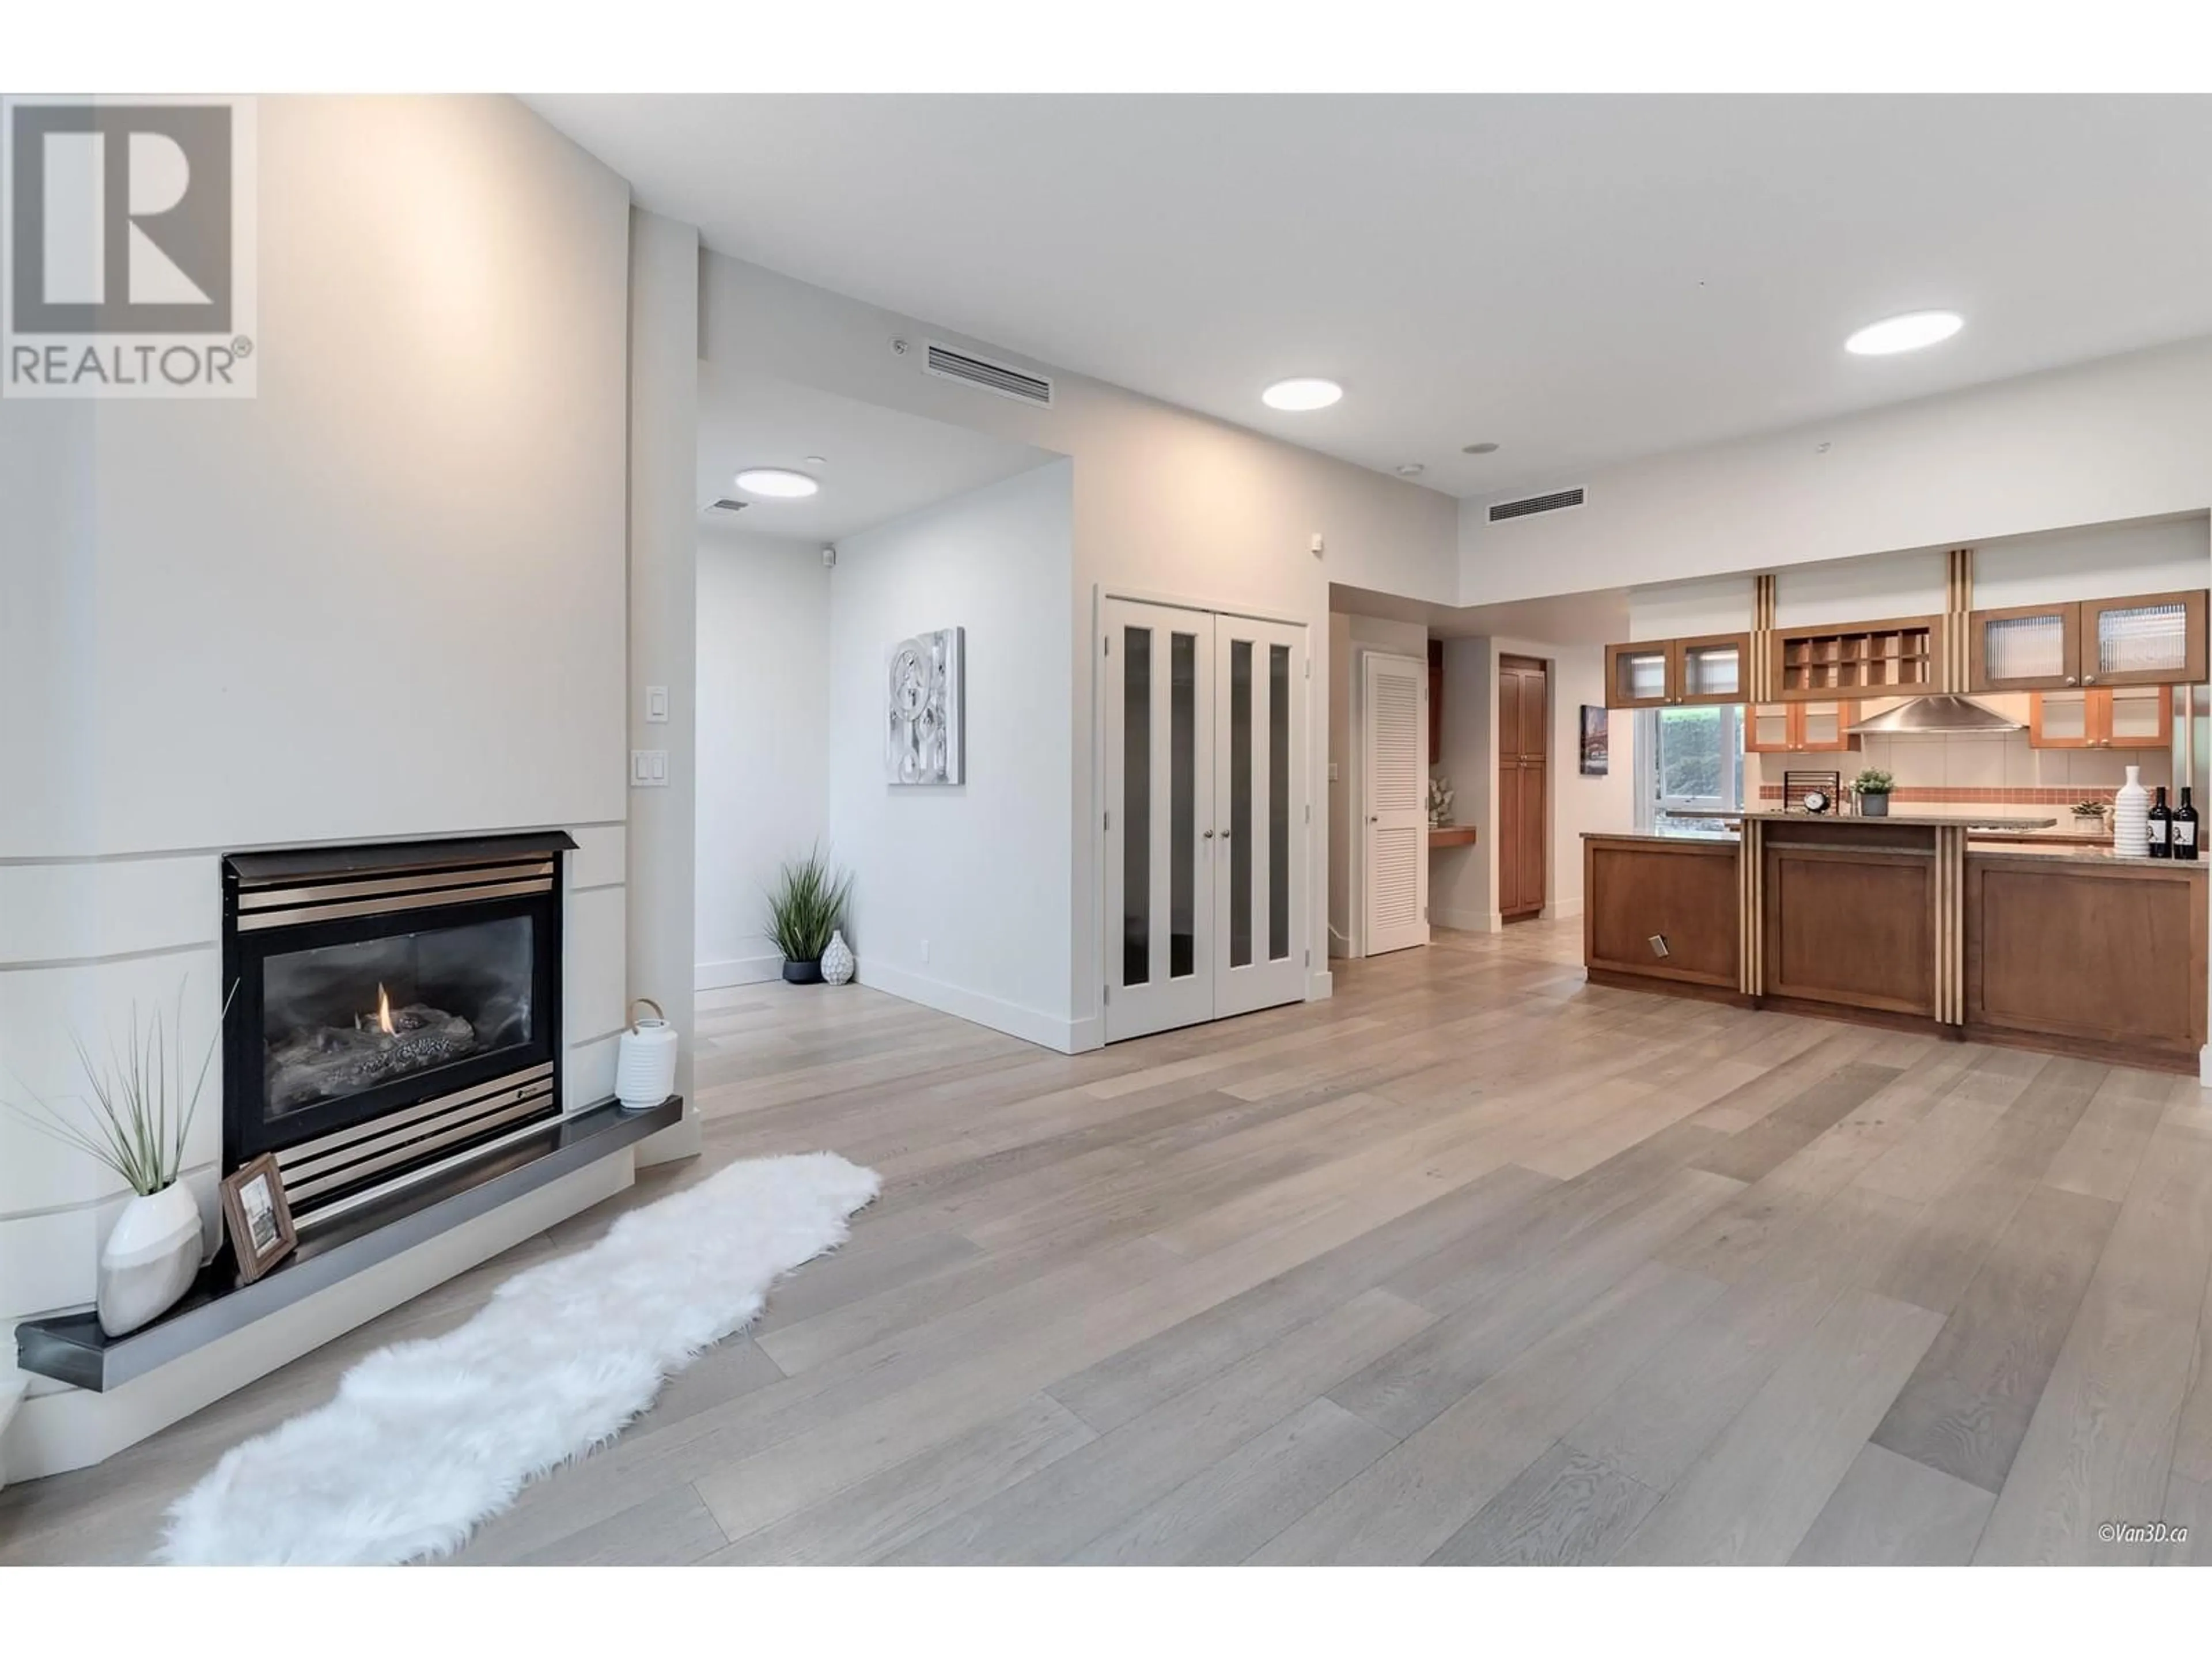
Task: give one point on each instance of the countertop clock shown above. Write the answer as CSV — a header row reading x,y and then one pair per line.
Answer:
x,y
1811,792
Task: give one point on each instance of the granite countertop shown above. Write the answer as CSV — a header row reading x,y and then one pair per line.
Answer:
x,y
2075,853
1723,837
1776,815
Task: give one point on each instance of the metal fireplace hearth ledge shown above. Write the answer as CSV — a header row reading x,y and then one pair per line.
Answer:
x,y
72,1348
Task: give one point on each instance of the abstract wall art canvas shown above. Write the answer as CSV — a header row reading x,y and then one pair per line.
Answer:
x,y
923,740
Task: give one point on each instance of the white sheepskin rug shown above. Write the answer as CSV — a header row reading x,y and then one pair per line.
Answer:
x,y
427,1439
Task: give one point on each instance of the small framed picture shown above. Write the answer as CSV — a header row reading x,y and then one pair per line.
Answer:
x,y
256,1218
1596,742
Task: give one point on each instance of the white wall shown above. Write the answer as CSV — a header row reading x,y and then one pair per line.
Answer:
x,y
383,598
763,763
2124,438
1351,639
961,894
1166,503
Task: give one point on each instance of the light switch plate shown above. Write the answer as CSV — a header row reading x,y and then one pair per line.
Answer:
x,y
649,768
656,704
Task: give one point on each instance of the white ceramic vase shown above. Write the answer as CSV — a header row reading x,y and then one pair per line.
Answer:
x,y
2131,818
837,963
150,1259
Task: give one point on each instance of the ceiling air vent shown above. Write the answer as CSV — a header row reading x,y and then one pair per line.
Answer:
x,y
726,505
1501,511
948,364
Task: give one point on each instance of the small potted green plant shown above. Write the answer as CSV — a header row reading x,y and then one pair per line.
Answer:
x,y
1873,787
804,909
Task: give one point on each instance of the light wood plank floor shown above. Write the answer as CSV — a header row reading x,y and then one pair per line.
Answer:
x,y
1472,1264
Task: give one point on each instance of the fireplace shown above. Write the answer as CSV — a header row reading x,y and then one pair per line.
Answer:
x,y
397,1010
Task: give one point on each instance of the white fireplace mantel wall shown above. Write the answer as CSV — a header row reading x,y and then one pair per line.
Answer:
x,y
385,599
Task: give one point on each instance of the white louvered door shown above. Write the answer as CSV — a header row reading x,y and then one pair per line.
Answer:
x,y
1203,723
1394,799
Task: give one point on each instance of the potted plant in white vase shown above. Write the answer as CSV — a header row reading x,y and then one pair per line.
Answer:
x,y
805,909
136,1122
1873,787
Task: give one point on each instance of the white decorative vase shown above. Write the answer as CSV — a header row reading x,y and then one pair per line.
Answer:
x,y
837,963
150,1259
2131,818
645,1059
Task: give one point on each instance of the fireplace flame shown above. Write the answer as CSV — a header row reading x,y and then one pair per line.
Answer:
x,y
384,1012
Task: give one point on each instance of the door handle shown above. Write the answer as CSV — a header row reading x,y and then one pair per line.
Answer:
x,y
1209,834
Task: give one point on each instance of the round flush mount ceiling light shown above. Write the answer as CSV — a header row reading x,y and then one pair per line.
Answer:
x,y
1909,332
776,481
1301,394
1412,470
1479,449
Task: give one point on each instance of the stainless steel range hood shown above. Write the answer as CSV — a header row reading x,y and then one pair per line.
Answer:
x,y
1933,717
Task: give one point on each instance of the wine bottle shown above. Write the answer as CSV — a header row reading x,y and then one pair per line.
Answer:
x,y
2184,826
2160,823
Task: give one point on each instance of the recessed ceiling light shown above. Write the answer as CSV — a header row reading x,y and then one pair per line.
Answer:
x,y
1479,449
1909,332
776,481
815,460
1412,470
1301,394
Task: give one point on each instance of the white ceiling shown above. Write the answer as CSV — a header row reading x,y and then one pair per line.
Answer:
x,y
876,464
1580,279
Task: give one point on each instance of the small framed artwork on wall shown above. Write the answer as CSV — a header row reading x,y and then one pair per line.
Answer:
x,y
1596,738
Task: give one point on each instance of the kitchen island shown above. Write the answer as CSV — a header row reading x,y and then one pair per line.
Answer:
x,y
1904,922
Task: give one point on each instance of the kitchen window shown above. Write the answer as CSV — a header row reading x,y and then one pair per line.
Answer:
x,y
1688,758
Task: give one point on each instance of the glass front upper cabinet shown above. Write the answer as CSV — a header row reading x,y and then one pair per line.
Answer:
x,y
2146,639
1655,673
1636,675
2025,648
2150,639
1711,669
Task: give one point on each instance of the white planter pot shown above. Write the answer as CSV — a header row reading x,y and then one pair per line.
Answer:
x,y
150,1259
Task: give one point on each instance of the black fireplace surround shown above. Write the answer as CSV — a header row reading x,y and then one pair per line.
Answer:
x,y
397,1010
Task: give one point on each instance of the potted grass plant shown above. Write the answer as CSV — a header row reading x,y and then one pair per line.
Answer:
x,y
137,1122
1872,788
804,909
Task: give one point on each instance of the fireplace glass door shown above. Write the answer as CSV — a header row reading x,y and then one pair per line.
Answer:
x,y
339,1020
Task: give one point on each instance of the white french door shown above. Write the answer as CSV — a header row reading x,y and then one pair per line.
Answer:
x,y
1394,789
1205,814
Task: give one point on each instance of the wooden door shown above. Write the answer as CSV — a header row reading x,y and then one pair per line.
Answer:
x,y
1523,778
1393,798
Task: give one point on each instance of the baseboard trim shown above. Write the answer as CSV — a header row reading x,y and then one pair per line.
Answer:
x,y
743,970
1468,921
1031,1024
1565,910
1320,985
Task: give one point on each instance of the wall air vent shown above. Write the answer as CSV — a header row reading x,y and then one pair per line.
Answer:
x,y
1501,511
947,364
726,505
